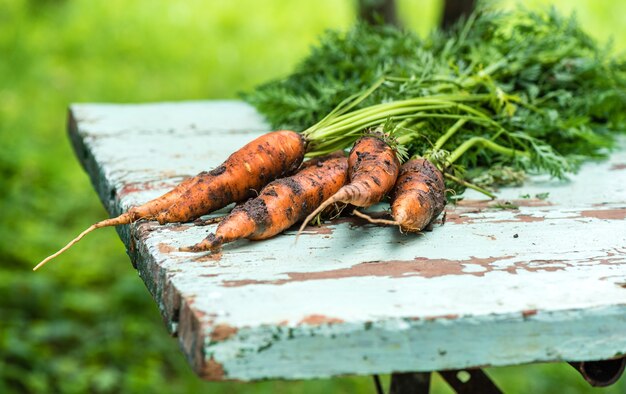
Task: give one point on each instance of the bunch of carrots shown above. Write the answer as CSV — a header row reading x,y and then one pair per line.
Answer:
x,y
502,90
291,190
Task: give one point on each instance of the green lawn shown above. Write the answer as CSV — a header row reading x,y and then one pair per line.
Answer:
x,y
86,322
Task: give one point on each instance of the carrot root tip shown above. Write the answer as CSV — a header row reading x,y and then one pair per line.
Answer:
x,y
376,221
124,218
211,243
209,221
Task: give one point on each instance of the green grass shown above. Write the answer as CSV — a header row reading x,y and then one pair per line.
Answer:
x,y
86,322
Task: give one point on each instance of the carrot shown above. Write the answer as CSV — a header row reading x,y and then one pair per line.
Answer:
x,y
264,159
316,160
373,169
280,204
419,195
417,198
241,176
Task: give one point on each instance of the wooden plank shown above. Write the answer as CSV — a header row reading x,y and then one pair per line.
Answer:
x,y
544,282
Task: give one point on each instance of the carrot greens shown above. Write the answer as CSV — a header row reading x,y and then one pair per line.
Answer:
x,y
504,93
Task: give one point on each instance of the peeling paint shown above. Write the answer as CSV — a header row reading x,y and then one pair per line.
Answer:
x,y
165,248
450,316
555,292
429,268
605,214
176,227
211,256
316,320
485,211
420,266
523,218
137,187
618,167
529,312
522,202
222,332
460,218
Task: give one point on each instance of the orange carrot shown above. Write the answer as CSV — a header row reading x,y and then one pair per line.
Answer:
x,y
373,169
280,204
417,198
419,195
316,160
241,176
266,158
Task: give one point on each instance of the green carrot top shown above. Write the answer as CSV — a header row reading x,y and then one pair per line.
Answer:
x,y
505,91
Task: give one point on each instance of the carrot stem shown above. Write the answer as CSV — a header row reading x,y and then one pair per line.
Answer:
x,y
444,138
470,185
458,152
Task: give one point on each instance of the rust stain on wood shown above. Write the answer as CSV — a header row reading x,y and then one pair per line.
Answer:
x,y
316,320
222,332
606,214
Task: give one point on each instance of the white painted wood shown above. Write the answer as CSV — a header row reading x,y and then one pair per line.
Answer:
x,y
544,282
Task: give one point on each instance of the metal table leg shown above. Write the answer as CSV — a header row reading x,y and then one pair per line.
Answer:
x,y
410,383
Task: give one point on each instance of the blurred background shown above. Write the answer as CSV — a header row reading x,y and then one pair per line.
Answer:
x,y
86,323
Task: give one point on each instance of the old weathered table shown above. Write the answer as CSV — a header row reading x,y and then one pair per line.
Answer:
x,y
491,286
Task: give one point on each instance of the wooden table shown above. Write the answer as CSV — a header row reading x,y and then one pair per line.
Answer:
x,y
545,281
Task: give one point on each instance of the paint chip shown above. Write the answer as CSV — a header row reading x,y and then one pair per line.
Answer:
x,y
316,320
222,332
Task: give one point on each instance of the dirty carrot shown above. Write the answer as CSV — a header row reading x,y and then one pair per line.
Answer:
x,y
280,204
241,176
418,196
373,168
319,159
264,159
